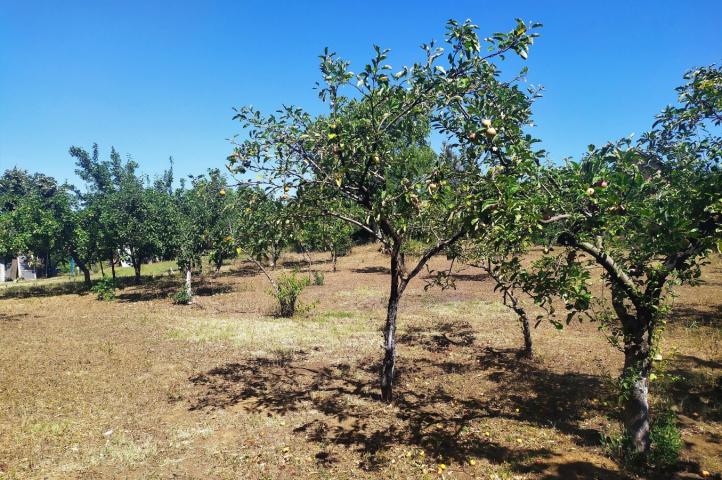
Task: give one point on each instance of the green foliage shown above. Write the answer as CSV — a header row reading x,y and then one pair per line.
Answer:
x,y
665,445
288,289
647,213
666,440
373,148
205,220
181,296
318,278
104,289
314,232
264,224
125,215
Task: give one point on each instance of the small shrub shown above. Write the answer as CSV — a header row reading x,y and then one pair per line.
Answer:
x,y
665,445
319,278
181,297
665,440
289,288
104,289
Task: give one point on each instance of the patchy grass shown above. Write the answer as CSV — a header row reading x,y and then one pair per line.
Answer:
x,y
142,388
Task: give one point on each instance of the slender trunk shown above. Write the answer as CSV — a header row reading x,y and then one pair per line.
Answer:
x,y
112,265
635,377
389,364
189,291
83,268
102,271
136,268
528,347
307,256
333,259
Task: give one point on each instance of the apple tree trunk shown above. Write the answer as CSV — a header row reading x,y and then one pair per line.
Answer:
x,y
526,330
635,381
188,288
389,364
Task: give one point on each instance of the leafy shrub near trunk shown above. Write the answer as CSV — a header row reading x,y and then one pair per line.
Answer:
x,y
665,439
181,297
288,289
319,278
104,289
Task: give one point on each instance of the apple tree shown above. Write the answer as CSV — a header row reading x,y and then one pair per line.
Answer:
x,y
374,148
647,212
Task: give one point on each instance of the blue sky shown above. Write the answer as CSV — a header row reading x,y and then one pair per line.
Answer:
x,y
157,78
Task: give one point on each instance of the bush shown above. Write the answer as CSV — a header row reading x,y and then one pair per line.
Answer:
x,y
104,289
665,440
289,288
665,445
181,297
318,278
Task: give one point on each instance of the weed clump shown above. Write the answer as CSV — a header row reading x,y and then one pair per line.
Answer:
x,y
319,278
181,297
287,291
104,289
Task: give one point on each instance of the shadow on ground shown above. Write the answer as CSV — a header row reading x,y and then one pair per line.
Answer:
x,y
12,317
690,316
164,288
426,417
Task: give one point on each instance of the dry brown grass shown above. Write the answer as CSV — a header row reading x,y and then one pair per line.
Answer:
x,y
141,388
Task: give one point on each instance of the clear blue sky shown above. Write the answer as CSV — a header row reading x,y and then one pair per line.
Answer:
x,y
156,78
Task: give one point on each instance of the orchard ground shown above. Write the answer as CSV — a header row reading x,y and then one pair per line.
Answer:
x,y
142,388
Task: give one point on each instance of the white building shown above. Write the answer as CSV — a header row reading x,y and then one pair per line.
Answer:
x,y
17,268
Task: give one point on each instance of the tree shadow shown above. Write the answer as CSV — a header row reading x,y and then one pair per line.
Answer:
x,y
303,264
165,287
695,393
548,398
447,334
53,290
244,270
689,316
372,269
12,317
470,277
430,418
579,470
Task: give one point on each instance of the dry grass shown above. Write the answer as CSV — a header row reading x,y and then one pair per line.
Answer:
x,y
141,388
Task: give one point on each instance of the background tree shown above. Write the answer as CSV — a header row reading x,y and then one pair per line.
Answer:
x,y
265,225
647,212
131,215
323,233
35,212
204,219
102,179
373,149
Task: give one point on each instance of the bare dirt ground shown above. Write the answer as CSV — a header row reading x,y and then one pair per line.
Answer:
x,y
142,388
